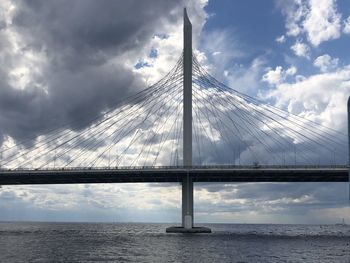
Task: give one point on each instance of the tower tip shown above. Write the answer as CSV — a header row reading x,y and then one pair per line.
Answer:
x,y
186,19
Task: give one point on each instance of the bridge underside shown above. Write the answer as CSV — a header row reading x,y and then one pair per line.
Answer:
x,y
158,175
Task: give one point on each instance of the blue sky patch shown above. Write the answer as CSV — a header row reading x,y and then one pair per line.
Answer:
x,y
141,64
153,53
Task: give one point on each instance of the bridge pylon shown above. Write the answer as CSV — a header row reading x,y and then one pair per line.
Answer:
x,y
187,183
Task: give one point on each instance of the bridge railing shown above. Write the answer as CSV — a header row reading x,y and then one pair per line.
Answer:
x,y
254,166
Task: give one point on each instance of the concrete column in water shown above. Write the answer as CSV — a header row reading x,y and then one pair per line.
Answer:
x,y
187,184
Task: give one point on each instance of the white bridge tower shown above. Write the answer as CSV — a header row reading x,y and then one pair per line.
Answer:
x,y
187,183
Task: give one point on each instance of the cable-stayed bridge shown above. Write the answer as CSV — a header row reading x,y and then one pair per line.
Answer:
x,y
188,127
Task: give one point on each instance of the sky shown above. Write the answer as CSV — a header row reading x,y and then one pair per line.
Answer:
x,y
62,62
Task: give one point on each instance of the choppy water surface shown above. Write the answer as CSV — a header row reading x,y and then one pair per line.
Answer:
x,y
86,242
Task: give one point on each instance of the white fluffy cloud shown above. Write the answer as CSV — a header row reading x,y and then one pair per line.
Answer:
x,y
294,11
273,76
291,71
318,19
347,26
281,39
326,62
322,22
278,75
301,49
321,97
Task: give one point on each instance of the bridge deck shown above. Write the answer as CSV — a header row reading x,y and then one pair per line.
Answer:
x,y
175,174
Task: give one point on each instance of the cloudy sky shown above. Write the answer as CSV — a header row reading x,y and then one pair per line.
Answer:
x,y
62,62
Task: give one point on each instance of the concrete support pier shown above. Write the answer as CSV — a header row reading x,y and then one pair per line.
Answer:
x,y
187,202
187,183
192,230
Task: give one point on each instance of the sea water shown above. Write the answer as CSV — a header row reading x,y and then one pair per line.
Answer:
x,y
141,242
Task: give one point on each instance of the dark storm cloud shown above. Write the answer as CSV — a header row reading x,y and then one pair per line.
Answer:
x,y
85,44
91,31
